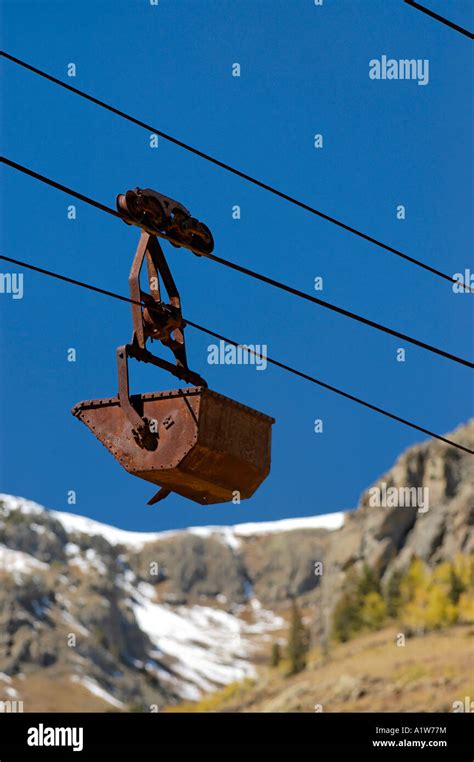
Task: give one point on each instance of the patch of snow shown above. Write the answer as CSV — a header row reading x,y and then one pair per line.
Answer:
x,y
129,576
11,692
38,528
203,647
72,522
230,535
224,534
93,687
69,619
146,590
13,503
81,524
65,602
17,561
94,560
197,640
90,559
326,521
5,678
71,549
264,619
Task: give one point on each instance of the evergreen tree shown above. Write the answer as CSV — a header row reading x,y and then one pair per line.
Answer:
x,y
456,586
347,616
368,582
297,641
393,596
275,657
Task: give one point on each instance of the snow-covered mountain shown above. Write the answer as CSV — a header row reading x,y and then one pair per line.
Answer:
x,y
152,617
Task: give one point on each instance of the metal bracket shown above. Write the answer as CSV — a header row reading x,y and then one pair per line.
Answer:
x,y
144,437
160,495
152,319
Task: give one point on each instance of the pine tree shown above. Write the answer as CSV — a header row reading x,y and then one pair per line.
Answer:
x,y
393,597
368,582
297,641
275,657
346,617
456,586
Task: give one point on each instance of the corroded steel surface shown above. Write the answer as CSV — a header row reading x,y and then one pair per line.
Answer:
x,y
208,447
165,217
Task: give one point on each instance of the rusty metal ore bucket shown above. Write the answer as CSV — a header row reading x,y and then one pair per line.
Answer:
x,y
204,446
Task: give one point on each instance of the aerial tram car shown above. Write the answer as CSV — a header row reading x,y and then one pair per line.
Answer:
x,y
190,440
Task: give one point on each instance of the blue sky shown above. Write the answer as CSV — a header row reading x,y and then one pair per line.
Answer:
x,y
304,70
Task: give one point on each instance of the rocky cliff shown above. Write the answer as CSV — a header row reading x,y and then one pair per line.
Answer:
x,y
423,507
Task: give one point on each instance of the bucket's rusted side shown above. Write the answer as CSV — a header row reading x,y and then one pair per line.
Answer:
x,y
172,415
208,449
233,447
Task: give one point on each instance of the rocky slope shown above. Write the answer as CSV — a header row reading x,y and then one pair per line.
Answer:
x,y
369,674
141,619
102,618
387,538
